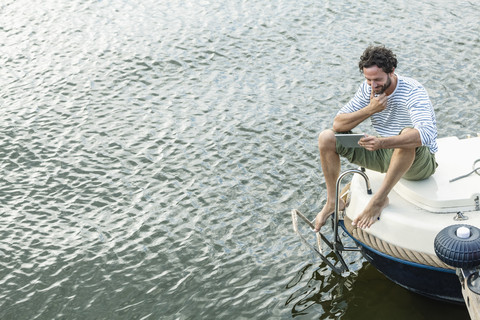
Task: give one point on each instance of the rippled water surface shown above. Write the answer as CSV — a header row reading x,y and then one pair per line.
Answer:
x,y
151,151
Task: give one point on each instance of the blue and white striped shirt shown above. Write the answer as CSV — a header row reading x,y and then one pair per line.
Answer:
x,y
408,106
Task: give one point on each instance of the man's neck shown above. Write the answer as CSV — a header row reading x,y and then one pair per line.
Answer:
x,y
392,86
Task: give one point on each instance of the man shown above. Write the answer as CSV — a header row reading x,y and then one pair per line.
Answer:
x,y
401,113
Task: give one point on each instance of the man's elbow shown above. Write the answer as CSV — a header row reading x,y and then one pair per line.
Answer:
x,y
338,127
336,124
426,134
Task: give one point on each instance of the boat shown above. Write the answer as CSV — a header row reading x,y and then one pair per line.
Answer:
x,y
427,239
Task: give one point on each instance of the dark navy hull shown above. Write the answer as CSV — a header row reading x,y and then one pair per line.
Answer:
x,y
437,283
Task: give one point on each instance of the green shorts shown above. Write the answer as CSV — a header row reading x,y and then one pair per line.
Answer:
x,y
423,166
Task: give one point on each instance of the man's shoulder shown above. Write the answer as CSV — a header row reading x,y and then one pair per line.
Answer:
x,y
408,83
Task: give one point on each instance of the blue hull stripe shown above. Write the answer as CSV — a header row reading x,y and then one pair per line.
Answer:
x,y
409,263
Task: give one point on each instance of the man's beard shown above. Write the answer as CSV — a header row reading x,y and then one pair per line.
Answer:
x,y
385,86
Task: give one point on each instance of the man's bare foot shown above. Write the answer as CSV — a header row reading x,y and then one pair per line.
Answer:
x,y
325,213
371,213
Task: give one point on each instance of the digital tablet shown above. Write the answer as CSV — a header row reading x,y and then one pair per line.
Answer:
x,y
349,140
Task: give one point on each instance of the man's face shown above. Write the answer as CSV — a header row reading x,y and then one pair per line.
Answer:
x,y
377,79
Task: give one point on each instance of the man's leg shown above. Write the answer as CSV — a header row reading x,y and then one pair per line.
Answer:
x,y
400,162
330,161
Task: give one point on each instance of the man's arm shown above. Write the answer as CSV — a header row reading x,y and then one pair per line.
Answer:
x,y
409,138
347,121
423,116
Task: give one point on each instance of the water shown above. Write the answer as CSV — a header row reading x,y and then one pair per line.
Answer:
x,y
151,152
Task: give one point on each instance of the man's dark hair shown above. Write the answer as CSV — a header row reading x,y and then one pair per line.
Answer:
x,y
378,56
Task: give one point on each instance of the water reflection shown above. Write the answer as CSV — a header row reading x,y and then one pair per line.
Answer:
x,y
323,293
365,294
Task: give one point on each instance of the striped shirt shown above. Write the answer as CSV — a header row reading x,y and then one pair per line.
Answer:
x,y
408,106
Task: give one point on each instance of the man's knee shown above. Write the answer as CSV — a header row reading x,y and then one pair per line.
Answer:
x,y
406,130
326,138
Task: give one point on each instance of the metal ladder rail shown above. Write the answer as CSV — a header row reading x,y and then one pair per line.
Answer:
x,y
337,246
295,214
